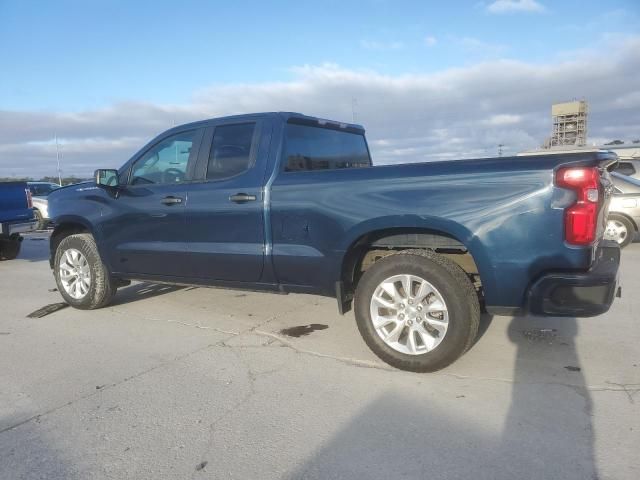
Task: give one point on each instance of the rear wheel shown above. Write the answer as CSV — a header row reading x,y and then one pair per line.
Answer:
x,y
82,278
42,224
620,230
10,247
417,310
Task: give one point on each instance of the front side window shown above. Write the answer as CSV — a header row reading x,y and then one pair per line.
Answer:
x,y
165,162
231,151
317,148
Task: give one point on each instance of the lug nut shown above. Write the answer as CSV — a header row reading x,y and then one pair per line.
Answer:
x,y
419,308
402,305
401,316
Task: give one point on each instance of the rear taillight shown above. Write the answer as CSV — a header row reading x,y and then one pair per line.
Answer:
x,y
581,218
29,199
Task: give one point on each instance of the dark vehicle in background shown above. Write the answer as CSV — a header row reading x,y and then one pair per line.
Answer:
x,y
624,210
39,192
291,203
16,217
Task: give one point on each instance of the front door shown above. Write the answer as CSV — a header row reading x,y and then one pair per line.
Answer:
x,y
146,232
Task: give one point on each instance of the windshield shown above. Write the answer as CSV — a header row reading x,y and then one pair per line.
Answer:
x,y
625,184
42,189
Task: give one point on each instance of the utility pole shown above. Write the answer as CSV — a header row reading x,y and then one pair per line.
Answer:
x,y
354,106
58,159
500,145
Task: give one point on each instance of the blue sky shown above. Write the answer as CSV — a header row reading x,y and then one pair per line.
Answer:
x,y
431,80
83,54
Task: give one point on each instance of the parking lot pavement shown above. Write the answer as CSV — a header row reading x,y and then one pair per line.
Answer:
x,y
202,383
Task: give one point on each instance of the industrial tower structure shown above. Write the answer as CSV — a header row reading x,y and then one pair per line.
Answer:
x,y
569,124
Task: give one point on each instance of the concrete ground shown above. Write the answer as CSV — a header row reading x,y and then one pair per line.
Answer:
x,y
175,383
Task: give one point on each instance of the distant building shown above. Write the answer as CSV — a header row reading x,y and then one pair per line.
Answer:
x,y
569,124
570,134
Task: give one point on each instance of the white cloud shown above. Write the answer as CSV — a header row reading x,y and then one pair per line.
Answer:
x,y
454,113
502,119
510,6
381,46
430,41
479,47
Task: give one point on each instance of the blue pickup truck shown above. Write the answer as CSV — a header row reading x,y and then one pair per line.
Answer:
x,y
291,203
16,217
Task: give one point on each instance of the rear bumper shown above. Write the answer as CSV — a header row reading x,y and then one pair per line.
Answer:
x,y
17,227
578,294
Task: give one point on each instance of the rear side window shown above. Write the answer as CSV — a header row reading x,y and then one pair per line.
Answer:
x,y
316,148
231,150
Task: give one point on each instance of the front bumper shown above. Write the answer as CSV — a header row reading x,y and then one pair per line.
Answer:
x,y
579,294
17,227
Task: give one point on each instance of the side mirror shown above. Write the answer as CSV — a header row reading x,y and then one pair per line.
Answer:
x,y
106,177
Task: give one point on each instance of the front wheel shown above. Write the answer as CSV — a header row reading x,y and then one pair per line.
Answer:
x,y
82,278
620,230
417,310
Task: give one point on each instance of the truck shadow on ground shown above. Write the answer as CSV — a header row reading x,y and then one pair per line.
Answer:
x,y
143,291
34,248
44,461
546,433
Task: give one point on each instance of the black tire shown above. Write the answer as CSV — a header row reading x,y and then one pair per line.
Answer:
x,y
10,247
102,287
454,286
631,231
42,224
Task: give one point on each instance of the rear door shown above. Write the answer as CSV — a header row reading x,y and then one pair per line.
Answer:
x,y
225,208
146,229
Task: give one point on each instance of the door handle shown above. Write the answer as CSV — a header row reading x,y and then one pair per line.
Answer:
x,y
171,200
242,198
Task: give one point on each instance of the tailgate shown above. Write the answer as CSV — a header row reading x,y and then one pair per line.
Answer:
x,y
14,204
606,165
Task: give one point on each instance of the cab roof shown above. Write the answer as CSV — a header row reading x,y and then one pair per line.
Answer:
x,y
288,117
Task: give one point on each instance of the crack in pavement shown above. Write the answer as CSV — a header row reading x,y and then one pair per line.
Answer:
x,y
204,327
350,361
379,366
105,387
252,376
382,366
356,362
151,369
631,392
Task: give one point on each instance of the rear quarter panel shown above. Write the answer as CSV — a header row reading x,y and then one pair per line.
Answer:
x,y
507,212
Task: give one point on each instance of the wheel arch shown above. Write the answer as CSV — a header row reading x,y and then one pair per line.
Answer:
x,y
64,227
455,241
